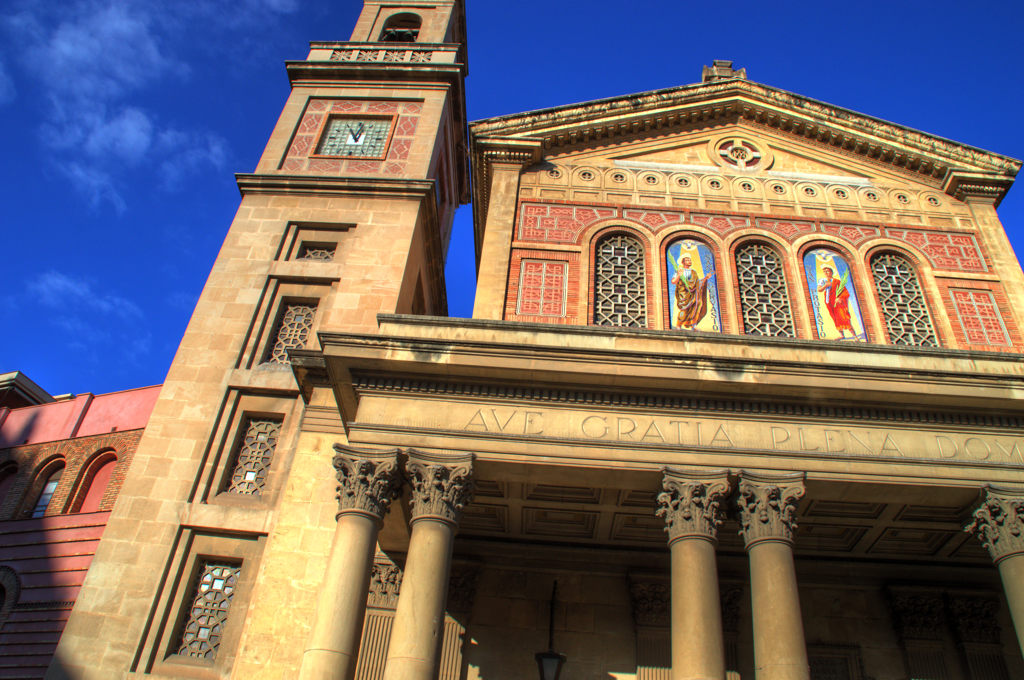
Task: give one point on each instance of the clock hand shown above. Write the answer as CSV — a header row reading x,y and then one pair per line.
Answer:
x,y
358,133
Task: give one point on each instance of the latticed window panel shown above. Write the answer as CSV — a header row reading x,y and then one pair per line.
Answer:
x,y
903,306
542,288
764,298
322,253
254,456
979,317
620,283
291,332
203,624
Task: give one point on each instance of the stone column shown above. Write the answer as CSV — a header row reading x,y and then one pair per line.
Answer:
x,y
767,505
441,486
998,521
690,507
367,483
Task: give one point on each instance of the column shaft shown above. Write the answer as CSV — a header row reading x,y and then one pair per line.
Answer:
x,y
333,643
780,652
1012,571
414,650
698,648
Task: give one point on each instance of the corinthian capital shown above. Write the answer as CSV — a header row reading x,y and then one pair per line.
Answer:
x,y
767,506
998,521
690,503
441,484
368,480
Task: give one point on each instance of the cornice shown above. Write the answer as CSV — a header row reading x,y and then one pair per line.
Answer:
x,y
317,184
870,137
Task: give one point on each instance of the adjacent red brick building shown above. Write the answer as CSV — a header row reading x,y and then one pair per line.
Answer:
x,y
62,462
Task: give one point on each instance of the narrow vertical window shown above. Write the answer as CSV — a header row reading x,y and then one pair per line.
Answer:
x,y
7,477
292,331
903,306
620,283
203,624
254,456
764,298
47,494
98,485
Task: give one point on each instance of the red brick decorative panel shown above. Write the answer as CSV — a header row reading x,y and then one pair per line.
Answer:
x,y
721,224
849,232
304,142
549,223
544,301
542,288
951,251
787,229
979,317
654,219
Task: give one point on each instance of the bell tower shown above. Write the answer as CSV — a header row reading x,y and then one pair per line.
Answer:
x,y
347,215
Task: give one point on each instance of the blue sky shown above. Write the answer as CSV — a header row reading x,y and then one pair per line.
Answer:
x,y
123,122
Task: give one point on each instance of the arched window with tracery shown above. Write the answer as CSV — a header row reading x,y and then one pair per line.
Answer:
x,y
620,282
764,297
902,301
46,495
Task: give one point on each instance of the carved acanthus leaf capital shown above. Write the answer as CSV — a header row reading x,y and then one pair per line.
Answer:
x,y
767,505
690,503
975,619
916,615
385,583
441,485
368,480
652,603
998,521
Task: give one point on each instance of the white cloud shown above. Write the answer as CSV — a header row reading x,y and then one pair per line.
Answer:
x,y
62,292
7,93
93,60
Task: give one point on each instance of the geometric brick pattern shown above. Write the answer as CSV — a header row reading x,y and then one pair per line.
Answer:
x,y
653,218
558,223
542,288
720,223
303,144
979,317
955,252
849,232
787,229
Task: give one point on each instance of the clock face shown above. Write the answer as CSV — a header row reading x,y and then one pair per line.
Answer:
x,y
355,137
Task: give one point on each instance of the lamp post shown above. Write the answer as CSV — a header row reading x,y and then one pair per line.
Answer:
x,y
550,662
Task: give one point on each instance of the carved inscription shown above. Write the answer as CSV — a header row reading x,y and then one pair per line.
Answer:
x,y
714,433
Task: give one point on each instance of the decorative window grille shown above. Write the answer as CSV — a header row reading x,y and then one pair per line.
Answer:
x,y
323,253
291,332
620,283
255,453
903,305
763,295
203,623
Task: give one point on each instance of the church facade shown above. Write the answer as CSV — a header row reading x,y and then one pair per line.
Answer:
x,y
740,397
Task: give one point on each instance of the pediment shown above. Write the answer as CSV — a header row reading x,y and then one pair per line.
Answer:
x,y
808,136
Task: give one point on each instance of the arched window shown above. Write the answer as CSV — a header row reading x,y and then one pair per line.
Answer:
x,y
403,28
100,472
764,298
7,476
620,282
47,493
903,306
834,299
